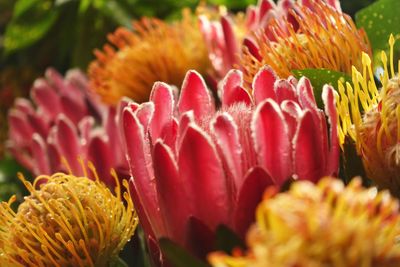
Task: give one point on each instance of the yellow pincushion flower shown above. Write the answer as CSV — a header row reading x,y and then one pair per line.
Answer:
x,y
327,224
154,51
325,38
68,221
371,118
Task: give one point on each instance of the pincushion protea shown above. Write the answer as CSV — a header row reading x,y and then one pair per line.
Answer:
x,y
68,221
65,121
371,118
322,37
327,224
226,36
195,166
153,51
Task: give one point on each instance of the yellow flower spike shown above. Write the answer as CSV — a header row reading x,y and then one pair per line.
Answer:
x,y
322,225
326,38
153,51
374,121
67,221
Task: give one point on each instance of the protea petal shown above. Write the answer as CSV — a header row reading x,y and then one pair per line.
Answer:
x,y
252,47
163,100
46,99
307,161
232,89
19,126
306,94
201,170
330,109
265,7
139,158
227,140
263,85
230,40
271,133
200,238
99,153
285,91
67,143
175,202
195,96
39,151
249,197
74,109
292,112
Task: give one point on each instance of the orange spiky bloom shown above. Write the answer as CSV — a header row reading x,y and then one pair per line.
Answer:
x,y
371,118
326,38
327,224
68,221
154,51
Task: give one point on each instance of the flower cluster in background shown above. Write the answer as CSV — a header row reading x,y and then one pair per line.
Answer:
x,y
236,129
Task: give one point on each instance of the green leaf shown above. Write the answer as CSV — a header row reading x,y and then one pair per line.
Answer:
x,y
25,30
84,5
22,6
379,20
227,240
177,256
117,13
320,77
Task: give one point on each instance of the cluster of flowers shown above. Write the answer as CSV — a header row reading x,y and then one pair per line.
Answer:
x,y
205,118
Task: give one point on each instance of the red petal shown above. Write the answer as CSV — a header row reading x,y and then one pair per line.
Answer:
x,y
330,110
202,172
144,220
100,154
271,138
144,113
74,109
308,150
253,48
232,90
230,40
265,7
285,91
141,167
227,139
67,143
46,99
292,112
176,204
195,96
163,100
20,129
306,94
249,196
40,156
200,238
263,85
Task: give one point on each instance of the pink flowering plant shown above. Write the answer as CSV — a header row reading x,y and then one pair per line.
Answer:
x,y
239,166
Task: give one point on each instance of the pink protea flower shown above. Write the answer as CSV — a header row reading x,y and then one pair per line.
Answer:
x,y
195,166
224,38
66,121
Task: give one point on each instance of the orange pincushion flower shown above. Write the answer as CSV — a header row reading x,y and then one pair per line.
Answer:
x,y
68,221
325,38
327,224
154,51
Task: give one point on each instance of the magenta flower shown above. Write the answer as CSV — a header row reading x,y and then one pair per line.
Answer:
x,y
224,38
195,166
65,121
